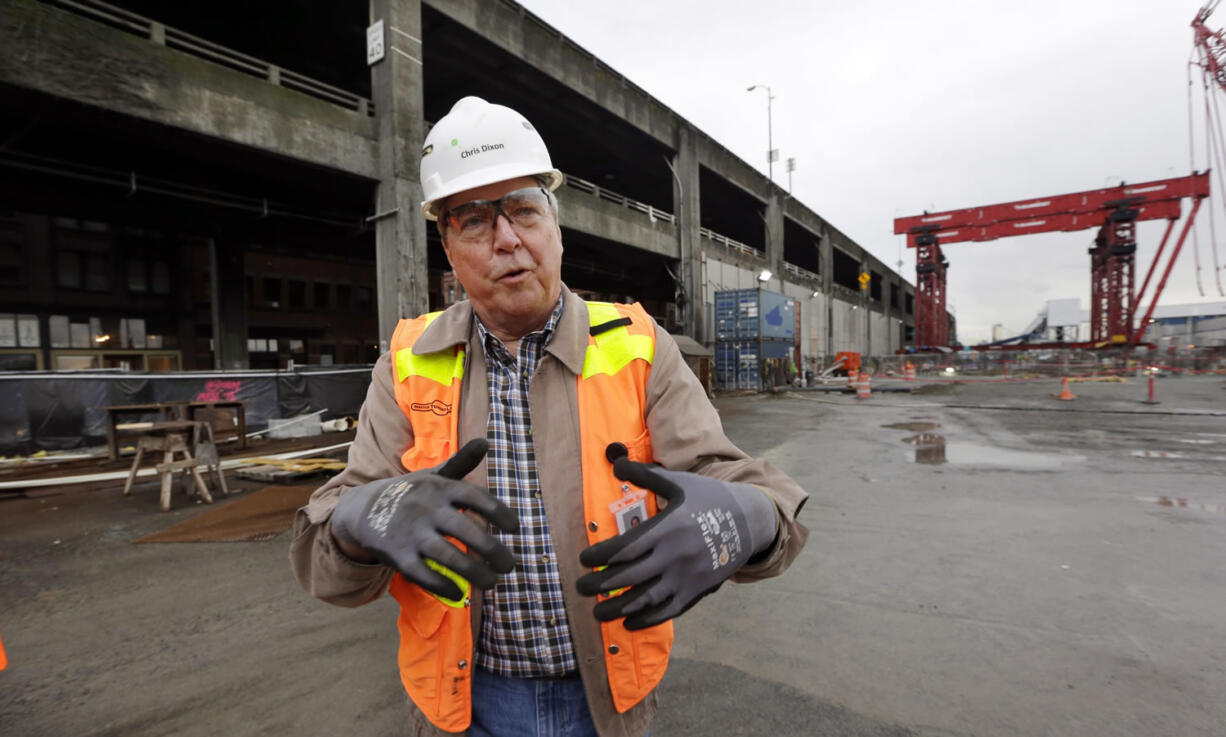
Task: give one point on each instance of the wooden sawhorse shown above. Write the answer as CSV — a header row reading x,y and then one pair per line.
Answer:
x,y
171,438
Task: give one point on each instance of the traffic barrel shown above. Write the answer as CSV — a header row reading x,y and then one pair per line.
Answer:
x,y
864,389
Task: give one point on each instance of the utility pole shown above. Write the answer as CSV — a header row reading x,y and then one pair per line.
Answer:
x,y
771,154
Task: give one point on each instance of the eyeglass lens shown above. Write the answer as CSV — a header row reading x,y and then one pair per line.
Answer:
x,y
474,221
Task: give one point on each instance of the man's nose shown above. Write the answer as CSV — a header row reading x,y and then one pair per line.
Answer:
x,y
505,237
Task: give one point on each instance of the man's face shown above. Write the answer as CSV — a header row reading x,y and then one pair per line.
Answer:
x,y
513,277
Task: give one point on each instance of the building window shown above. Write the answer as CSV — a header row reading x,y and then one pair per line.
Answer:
x,y
344,297
364,299
138,281
160,277
68,270
296,292
82,270
272,293
323,295
12,263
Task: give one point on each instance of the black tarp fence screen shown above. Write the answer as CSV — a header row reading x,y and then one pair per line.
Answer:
x,y
64,410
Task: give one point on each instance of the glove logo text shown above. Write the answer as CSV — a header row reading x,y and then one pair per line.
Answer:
x,y
384,507
720,535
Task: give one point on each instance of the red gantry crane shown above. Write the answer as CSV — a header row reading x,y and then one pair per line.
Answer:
x,y
1209,49
1113,210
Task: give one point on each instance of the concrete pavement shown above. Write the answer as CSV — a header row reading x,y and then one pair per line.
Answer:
x,y
1034,575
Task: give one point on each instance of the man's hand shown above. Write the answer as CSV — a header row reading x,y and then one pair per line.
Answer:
x,y
708,531
403,522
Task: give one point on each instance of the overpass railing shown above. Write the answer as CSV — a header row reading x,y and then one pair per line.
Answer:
x,y
173,38
801,272
730,244
652,213
655,214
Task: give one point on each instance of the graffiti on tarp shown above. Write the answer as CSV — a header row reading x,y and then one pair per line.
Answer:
x,y
217,390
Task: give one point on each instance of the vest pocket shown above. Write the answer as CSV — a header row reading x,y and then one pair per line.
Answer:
x,y
418,607
420,656
427,452
639,449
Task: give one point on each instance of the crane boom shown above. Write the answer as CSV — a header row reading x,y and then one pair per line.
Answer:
x,y
1047,214
1113,210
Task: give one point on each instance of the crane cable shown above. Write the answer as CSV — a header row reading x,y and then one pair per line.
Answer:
x,y
1192,164
1213,125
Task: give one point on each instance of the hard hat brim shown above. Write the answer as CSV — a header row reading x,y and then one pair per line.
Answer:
x,y
430,208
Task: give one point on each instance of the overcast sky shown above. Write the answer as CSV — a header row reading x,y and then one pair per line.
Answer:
x,y
893,107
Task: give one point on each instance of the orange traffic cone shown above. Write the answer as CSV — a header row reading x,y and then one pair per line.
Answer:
x,y
1065,394
908,371
864,389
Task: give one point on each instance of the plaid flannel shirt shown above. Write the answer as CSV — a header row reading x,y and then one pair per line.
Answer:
x,y
524,631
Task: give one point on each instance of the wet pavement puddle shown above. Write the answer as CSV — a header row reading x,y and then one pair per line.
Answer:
x,y
932,449
1182,503
913,426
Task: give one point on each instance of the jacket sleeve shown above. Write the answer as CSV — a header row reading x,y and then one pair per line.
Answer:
x,y
383,434
687,435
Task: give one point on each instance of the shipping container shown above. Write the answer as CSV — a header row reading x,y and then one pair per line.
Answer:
x,y
751,364
754,313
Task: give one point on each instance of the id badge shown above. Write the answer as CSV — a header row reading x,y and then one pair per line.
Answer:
x,y
631,510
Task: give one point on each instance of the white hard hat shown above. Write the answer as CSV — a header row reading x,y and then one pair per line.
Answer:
x,y
476,144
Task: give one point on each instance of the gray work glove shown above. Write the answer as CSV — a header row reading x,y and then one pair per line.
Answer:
x,y
402,522
708,531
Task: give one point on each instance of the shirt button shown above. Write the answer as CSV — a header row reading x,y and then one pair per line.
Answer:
x,y
545,558
553,621
537,494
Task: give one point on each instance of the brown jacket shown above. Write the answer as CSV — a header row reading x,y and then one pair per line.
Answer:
x,y
685,432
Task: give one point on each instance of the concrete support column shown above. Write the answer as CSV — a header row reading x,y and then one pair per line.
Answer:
x,y
826,268
866,304
400,230
228,294
686,204
774,233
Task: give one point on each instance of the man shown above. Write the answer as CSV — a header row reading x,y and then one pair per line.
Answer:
x,y
543,609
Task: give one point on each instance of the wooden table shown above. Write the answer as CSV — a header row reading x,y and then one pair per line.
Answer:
x,y
167,412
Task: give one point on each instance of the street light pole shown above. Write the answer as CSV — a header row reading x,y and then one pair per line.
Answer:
x,y
770,146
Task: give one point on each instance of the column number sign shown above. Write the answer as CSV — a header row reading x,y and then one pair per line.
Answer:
x,y
374,42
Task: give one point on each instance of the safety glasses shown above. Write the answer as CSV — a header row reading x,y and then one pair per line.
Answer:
x,y
473,222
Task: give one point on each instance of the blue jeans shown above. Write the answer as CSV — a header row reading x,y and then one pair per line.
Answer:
x,y
524,707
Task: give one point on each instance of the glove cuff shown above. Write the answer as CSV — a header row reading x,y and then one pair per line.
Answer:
x,y
761,514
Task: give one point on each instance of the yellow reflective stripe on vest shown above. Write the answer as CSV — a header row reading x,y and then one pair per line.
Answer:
x,y
438,367
616,348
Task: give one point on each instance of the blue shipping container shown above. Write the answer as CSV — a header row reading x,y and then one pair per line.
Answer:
x,y
754,313
739,363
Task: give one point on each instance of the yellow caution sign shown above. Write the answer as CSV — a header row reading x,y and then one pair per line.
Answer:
x,y
864,280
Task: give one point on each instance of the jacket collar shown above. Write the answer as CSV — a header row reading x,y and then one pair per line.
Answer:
x,y
456,326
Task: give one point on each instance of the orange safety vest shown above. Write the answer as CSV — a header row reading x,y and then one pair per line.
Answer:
x,y
436,638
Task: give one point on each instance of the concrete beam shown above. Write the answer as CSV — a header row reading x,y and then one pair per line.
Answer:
x,y
731,167
55,52
527,37
588,214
